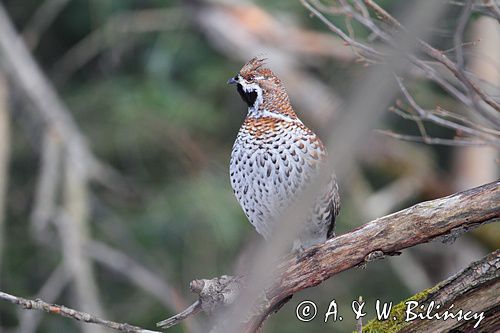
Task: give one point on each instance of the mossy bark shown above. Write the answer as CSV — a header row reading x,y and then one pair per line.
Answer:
x,y
476,289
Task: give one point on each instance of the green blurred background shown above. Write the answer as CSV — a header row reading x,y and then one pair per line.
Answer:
x,y
153,103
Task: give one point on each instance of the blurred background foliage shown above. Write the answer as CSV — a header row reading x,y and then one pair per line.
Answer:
x,y
155,106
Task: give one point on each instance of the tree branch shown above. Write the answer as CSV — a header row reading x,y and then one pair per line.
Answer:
x,y
473,289
439,56
442,219
16,60
70,313
447,73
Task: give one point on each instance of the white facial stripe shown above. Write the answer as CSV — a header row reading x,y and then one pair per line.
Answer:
x,y
254,110
266,113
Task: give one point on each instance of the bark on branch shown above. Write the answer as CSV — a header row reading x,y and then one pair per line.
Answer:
x,y
474,289
64,311
445,219
442,219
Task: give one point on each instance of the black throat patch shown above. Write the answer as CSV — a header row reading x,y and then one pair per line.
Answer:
x,y
248,97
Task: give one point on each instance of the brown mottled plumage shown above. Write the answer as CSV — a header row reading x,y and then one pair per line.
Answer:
x,y
275,156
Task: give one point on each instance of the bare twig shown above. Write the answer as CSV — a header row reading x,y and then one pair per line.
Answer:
x,y
73,231
41,20
459,34
464,89
432,141
439,56
61,310
47,184
367,50
495,8
155,285
17,61
140,21
381,13
487,7
55,284
429,71
460,119
174,320
213,295
426,115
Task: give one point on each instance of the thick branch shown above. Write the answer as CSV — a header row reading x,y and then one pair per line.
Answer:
x,y
473,289
443,218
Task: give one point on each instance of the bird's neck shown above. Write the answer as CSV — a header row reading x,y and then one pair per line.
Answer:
x,y
274,106
265,113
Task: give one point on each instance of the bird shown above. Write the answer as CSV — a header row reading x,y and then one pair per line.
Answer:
x,y
274,157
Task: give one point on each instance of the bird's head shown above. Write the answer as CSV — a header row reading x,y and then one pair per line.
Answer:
x,y
259,88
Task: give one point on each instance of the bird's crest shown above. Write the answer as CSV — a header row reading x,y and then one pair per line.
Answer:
x,y
255,67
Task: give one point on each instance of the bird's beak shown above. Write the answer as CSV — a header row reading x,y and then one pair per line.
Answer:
x,y
232,80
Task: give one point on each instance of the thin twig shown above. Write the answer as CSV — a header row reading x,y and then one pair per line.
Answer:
x,y
437,56
445,113
426,115
73,228
64,311
362,47
487,7
471,87
47,183
174,320
17,61
155,285
41,20
382,14
469,98
495,9
55,284
433,141
123,23
459,34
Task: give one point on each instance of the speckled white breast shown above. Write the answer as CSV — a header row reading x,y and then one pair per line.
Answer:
x,y
271,162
